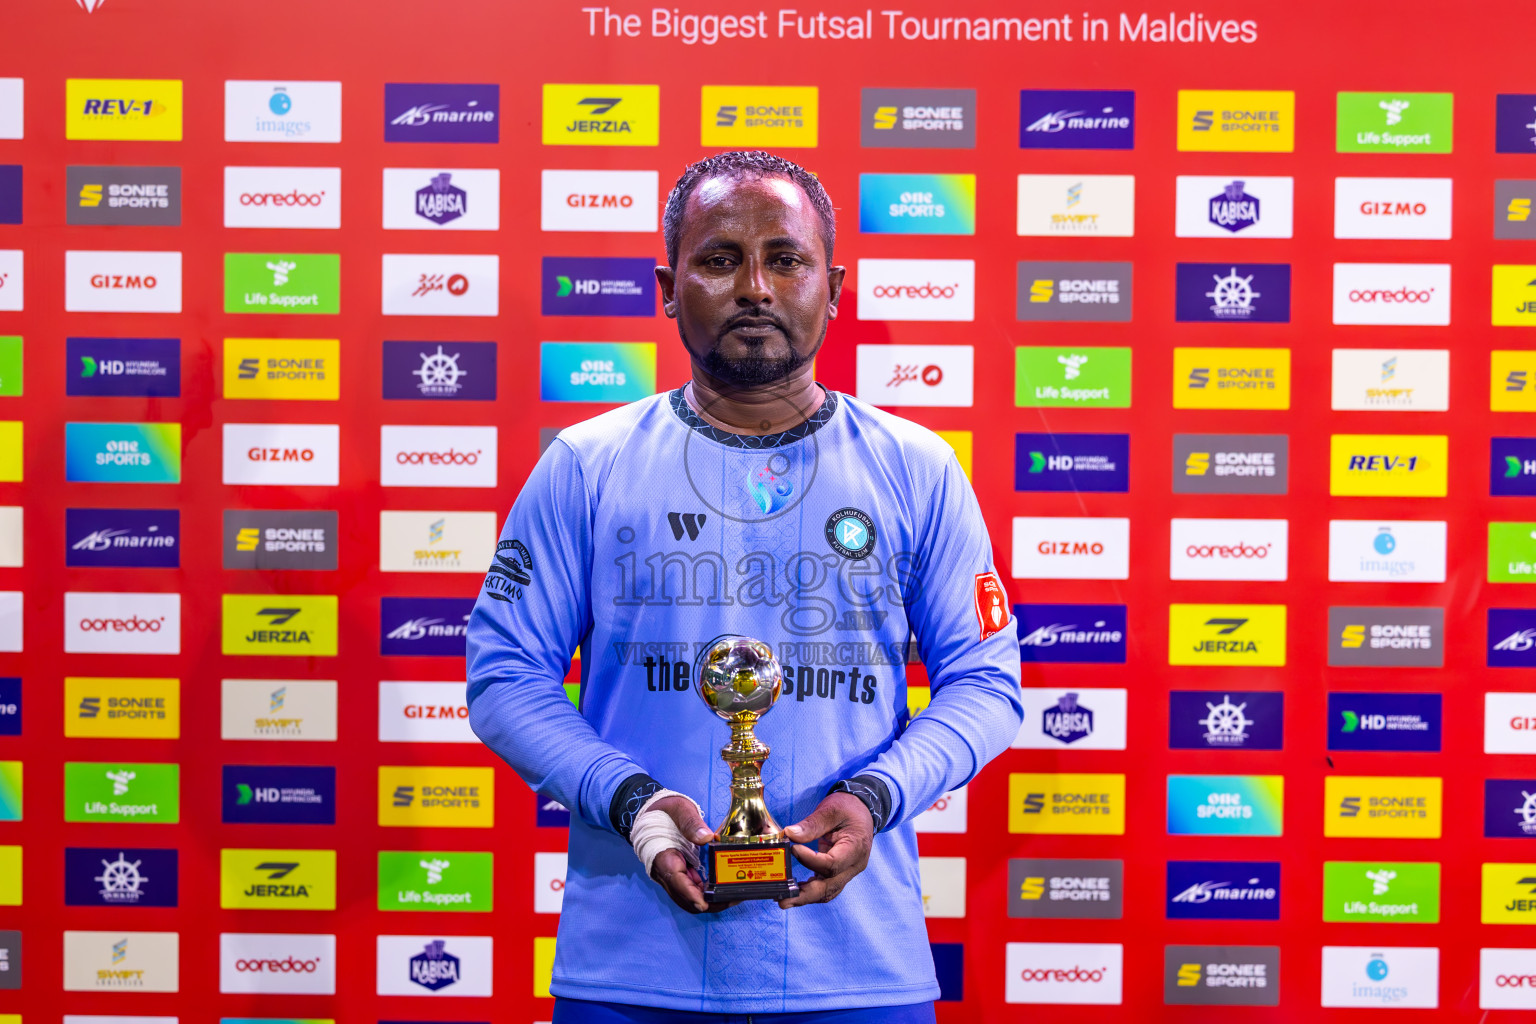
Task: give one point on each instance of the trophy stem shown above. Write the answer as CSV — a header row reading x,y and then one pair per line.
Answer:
x,y
748,820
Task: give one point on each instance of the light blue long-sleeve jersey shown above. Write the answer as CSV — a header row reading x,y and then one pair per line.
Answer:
x,y
642,534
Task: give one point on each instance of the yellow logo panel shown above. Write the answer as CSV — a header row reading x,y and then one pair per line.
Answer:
x,y
10,451
280,624
277,879
602,115
301,368
1380,805
1236,121
1226,634
122,109
1231,378
1066,804
10,876
1388,465
757,116
1514,295
1512,382
543,965
437,797
1509,893
122,708
960,441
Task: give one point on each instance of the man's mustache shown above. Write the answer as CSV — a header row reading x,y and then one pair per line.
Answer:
x,y
754,318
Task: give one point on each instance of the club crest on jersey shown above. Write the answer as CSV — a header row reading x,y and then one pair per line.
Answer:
x,y
851,532
991,603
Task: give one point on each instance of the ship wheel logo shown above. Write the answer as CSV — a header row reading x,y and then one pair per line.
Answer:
x,y
1233,295
439,373
120,879
1225,724
1527,812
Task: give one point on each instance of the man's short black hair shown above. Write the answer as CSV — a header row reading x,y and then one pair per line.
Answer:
x,y
736,166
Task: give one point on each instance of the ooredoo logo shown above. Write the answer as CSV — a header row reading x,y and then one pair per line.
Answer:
x,y
112,623
917,290
288,965
417,456
1064,972
277,963
1228,549
599,200
282,197
1392,294
122,282
296,454
1507,979
131,625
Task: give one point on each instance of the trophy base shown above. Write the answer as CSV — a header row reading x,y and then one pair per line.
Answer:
x,y
748,871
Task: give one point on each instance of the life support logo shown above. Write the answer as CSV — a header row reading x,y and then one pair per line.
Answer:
x,y
851,532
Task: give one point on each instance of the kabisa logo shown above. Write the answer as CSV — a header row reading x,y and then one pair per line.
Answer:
x,y
1041,888
119,876
1225,720
1226,805
273,795
1228,207
440,370
127,538
602,115
1071,633
1230,463
917,118
1083,718
279,624
1384,721
136,367
1068,721
1511,638
1396,637
1223,890
1077,119
1233,293
917,204
1221,975
1394,122
1509,808
454,199
1366,806
441,201
122,195
1066,804
434,968
1071,462
1073,292
1388,465
279,540
1233,634
284,111
441,113
1212,121
1377,891
598,286
758,117
122,109
1234,209
425,626
433,965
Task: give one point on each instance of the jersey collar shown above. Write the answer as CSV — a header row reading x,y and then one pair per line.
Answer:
x,y
803,430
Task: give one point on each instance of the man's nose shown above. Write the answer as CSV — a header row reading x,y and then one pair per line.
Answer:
x,y
752,284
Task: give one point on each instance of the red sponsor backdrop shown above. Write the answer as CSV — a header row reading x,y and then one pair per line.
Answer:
x,y
1316,49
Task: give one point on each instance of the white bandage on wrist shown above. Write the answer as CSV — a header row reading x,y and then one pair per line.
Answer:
x,y
654,831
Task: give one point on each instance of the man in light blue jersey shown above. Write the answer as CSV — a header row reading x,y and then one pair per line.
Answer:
x,y
750,500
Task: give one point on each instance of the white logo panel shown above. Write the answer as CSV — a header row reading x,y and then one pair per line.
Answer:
x,y
1509,723
278,709
1228,549
943,883
12,281
599,201
1392,208
915,375
417,456
549,871
122,961
436,541
1237,207
12,548
289,454
1392,379
424,713
948,814
435,285
1392,294
11,108
1071,548
1506,979
282,197
917,290
121,623
10,621
434,965
1081,718
1393,977
429,199
274,963
1091,205
101,281
1065,972
1386,551
282,111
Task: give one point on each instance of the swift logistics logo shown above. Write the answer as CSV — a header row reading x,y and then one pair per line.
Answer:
x,y
1394,294
1388,465
1083,718
1077,119
1381,806
1226,720
917,204
1384,379
1236,121
1509,808
1221,975
1207,890
441,113
1383,892
1512,552
277,709
122,708
602,115
598,286
282,111
1231,463
119,791
96,195
1102,205
438,371
931,290
1071,633
119,876
256,539
423,626
277,879
1072,377
305,369
1392,208
1512,199
122,538
917,118
122,109
1227,634
278,795
1511,638
282,282
1390,637
1233,293
1394,122
436,880
758,117
1231,378
436,541
145,453
118,961
1073,292
1384,721
1512,466
122,367
279,624
1072,462
431,797
1066,804
1223,207
1066,889
1226,805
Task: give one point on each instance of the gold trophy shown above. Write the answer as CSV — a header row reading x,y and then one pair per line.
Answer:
x,y
739,678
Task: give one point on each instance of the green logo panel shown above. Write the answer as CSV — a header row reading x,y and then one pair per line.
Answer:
x,y
115,791
1072,377
1512,552
1394,122
1375,891
10,365
282,282
434,881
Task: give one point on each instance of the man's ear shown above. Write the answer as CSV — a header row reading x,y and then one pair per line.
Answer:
x,y
835,283
666,279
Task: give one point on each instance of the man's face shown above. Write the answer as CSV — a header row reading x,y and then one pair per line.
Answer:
x,y
752,292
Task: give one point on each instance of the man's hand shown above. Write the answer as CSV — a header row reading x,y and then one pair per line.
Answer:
x,y
842,823
670,869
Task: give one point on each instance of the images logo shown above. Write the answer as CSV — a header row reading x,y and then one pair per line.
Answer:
x,y
1509,808
935,290
121,623
455,881
416,796
277,963
599,286
1230,463
307,369
1072,377
1065,972
278,795
1066,804
127,538
602,115
119,876
1233,293
1071,462
1384,721
917,204
1058,889
282,111
290,454
423,626
1225,720
915,375
1223,890
1229,121
1388,465
122,708
441,113
114,791
1366,806
1071,548
1226,805
1079,719
117,281
121,195
917,118
282,197
1221,975
285,624
1231,378
122,109
1224,207
1056,292
1077,204
1371,379
1071,633
1392,977
1392,208
1394,122
440,370
1374,891
1226,634
758,117
1397,637
599,200
432,285
1393,294
282,282
1077,119
137,367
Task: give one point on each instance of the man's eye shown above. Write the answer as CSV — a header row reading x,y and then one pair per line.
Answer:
x,y
718,261
787,260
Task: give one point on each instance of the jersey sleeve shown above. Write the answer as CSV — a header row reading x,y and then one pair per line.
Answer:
x,y
967,637
532,613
